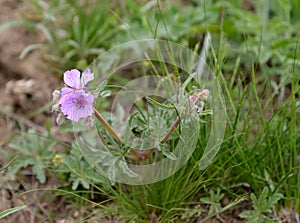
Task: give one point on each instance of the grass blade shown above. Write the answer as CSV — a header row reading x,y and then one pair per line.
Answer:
x,y
11,211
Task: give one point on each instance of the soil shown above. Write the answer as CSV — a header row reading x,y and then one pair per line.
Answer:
x,y
25,87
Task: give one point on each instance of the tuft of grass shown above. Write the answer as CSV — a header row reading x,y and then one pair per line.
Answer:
x,y
75,32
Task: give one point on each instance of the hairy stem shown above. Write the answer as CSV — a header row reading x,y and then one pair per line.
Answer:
x,y
144,154
106,125
171,130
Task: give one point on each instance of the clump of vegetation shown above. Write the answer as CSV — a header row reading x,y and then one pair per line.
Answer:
x,y
252,50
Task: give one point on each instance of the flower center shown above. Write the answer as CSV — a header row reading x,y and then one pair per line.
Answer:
x,y
79,102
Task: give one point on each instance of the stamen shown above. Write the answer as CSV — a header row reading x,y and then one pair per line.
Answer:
x,y
79,102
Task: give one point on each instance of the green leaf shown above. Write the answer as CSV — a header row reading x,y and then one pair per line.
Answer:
x,y
11,211
30,48
11,24
45,31
75,183
185,84
274,199
247,214
33,149
167,153
123,165
207,112
100,87
105,94
157,104
207,200
48,145
18,164
16,145
254,200
262,200
39,171
8,164
112,172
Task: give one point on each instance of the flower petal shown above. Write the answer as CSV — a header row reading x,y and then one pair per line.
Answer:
x,y
65,91
87,76
72,79
77,105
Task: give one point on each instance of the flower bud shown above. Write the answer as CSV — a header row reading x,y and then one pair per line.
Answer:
x,y
60,119
55,96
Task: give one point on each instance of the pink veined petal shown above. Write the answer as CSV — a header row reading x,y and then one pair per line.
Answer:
x,y
87,76
72,79
77,105
64,92
90,98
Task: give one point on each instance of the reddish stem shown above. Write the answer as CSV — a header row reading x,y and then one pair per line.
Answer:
x,y
106,125
144,154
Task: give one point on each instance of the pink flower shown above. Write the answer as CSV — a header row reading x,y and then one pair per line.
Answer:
x,y
196,101
77,104
74,101
74,80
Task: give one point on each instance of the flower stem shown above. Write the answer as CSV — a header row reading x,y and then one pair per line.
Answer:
x,y
144,154
138,154
171,130
200,96
106,125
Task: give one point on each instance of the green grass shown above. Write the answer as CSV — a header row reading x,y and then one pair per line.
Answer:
x,y
261,148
